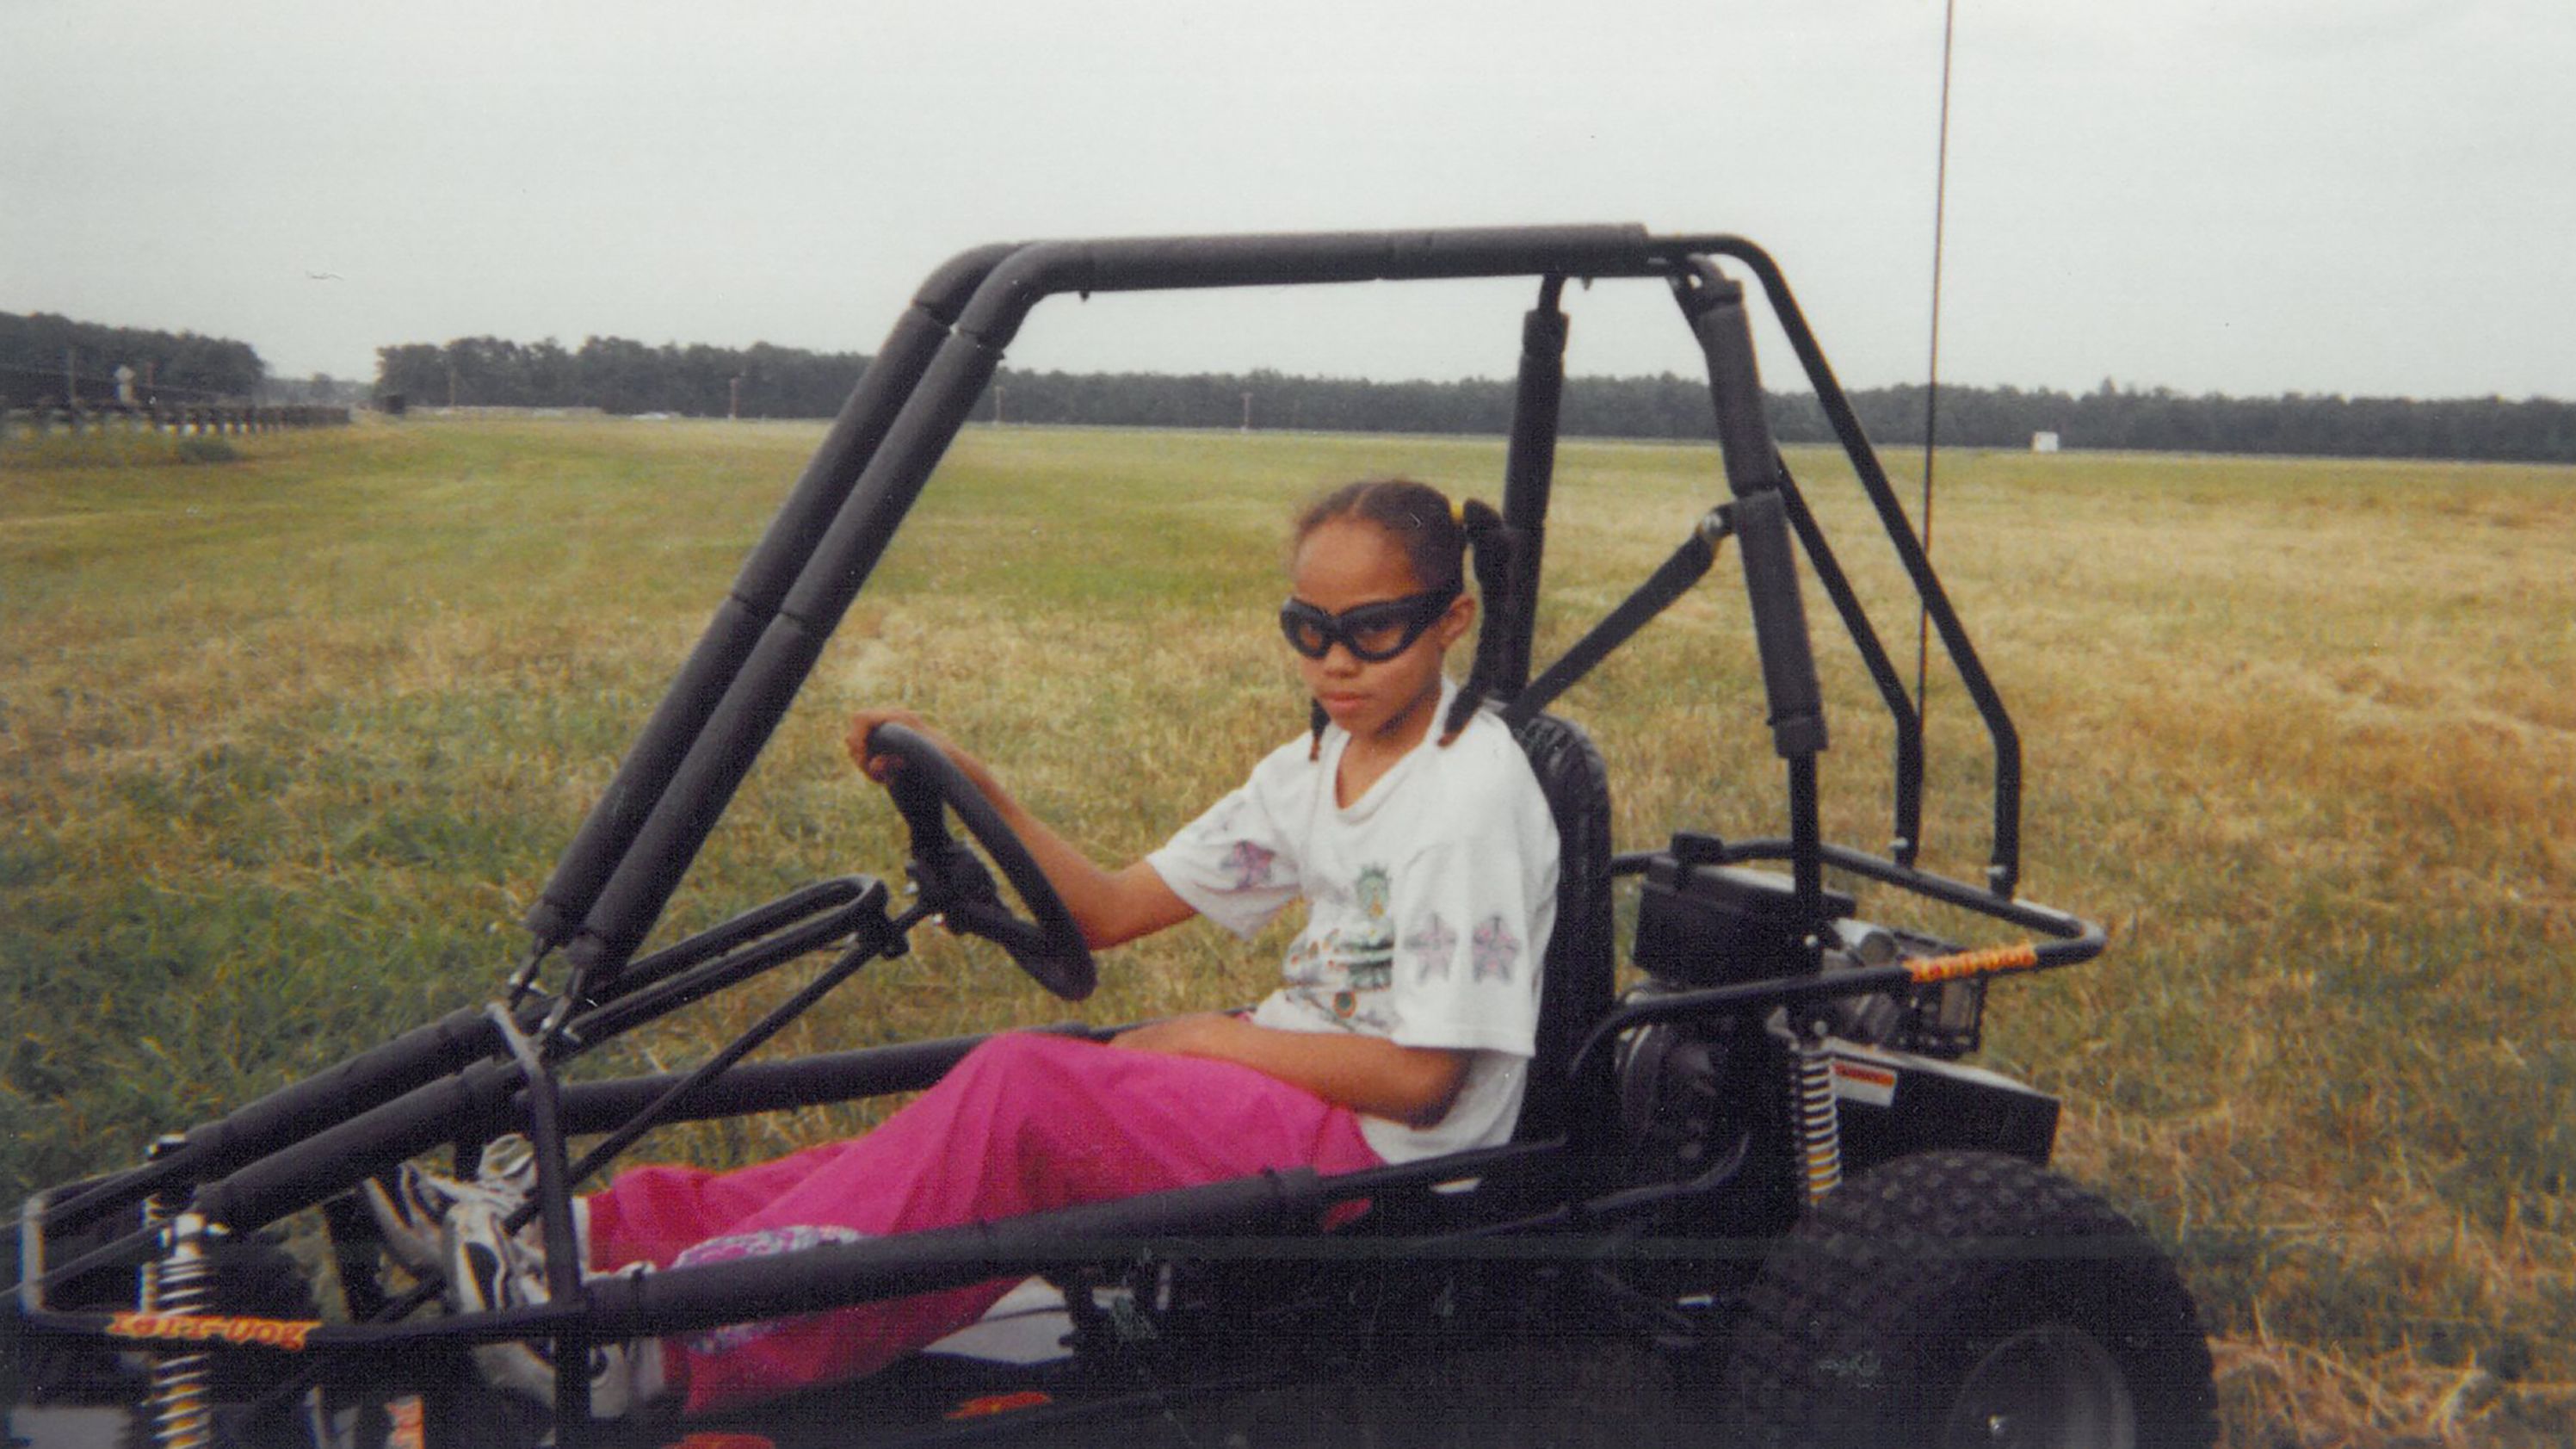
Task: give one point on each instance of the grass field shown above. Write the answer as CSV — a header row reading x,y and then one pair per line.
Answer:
x,y
287,745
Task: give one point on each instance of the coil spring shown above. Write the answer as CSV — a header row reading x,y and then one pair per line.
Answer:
x,y
180,1280
1820,1143
158,1209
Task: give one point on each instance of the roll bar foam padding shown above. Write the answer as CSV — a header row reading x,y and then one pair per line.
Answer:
x,y
1780,626
367,1080
767,574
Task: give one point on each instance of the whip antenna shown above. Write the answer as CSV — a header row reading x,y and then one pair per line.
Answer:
x,y
1932,365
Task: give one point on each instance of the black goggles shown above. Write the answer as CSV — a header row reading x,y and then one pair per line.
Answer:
x,y
1372,632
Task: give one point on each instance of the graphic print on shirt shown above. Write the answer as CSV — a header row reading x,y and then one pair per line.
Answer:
x,y
1343,972
1433,946
1251,864
1370,952
1496,948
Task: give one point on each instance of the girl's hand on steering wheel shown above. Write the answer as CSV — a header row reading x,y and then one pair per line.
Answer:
x,y
881,767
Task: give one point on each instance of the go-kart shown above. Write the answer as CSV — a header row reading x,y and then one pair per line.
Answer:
x,y
1759,1177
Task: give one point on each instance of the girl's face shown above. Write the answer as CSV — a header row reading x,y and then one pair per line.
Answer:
x,y
1343,564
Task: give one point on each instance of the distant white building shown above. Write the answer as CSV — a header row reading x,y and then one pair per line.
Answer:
x,y
2043,442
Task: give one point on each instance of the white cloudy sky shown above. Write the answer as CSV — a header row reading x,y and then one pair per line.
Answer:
x,y
2360,196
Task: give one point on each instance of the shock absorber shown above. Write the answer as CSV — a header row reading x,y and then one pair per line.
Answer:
x,y
1820,1142
180,1280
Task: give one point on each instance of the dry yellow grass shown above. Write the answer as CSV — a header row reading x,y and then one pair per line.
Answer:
x,y
287,745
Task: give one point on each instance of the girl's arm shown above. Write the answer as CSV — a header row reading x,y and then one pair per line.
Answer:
x,y
1111,906
1412,1085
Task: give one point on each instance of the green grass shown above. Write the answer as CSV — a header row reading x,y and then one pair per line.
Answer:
x,y
287,745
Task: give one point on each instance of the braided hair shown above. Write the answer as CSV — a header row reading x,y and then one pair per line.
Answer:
x,y
1438,540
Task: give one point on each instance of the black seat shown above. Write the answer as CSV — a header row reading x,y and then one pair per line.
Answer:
x,y
1579,981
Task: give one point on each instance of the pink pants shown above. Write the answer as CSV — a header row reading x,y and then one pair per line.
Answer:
x,y
1026,1122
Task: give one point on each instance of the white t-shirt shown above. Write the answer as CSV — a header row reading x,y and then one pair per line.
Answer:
x,y
1429,902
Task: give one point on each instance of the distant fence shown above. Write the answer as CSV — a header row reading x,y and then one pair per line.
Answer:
x,y
28,387
506,413
187,419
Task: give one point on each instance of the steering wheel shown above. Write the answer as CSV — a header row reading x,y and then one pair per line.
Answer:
x,y
955,883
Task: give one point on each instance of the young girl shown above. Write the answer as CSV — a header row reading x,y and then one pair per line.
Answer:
x,y
1408,822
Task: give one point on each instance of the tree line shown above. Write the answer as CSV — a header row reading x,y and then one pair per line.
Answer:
x,y
619,375
42,353
623,376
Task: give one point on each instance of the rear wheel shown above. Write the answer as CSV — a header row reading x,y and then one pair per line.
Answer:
x,y
1964,1298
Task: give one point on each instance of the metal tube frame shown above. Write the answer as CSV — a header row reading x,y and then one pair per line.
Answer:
x,y
912,417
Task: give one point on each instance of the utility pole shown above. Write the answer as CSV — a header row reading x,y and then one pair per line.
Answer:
x,y
733,405
998,390
1247,410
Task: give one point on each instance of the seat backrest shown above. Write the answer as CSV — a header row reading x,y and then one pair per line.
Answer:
x,y
1579,980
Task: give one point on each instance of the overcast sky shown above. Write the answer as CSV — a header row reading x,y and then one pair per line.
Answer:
x,y
2357,196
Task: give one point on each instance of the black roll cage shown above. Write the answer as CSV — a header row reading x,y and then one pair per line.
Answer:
x,y
621,869
476,1070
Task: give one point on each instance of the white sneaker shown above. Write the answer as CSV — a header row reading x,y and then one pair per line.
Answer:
x,y
508,1165
490,1269
412,1210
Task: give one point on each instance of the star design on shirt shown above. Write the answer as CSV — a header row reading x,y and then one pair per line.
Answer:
x,y
1250,864
1433,946
1496,948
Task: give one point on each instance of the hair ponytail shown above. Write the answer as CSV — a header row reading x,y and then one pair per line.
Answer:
x,y
1491,547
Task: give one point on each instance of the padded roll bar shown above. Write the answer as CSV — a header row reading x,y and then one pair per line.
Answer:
x,y
766,576
2003,872
1529,474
